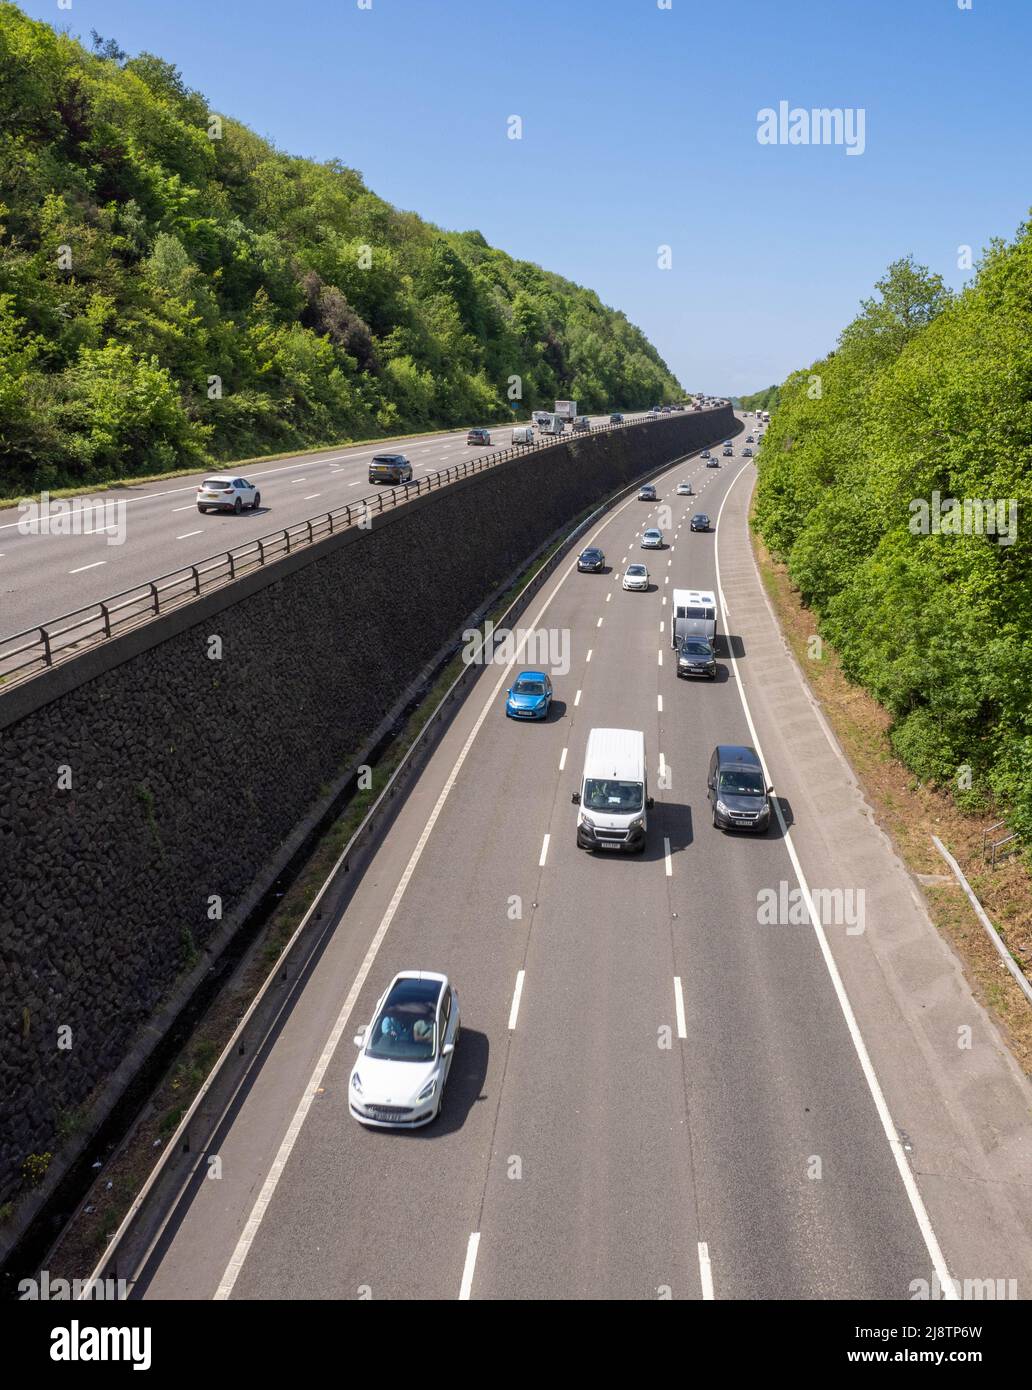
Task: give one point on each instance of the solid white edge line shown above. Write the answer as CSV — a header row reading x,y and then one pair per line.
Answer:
x,y
705,1271
874,1086
261,1204
467,1269
517,994
682,1028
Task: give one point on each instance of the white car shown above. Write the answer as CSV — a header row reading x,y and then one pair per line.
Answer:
x,y
227,492
406,1052
636,577
684,489
652,539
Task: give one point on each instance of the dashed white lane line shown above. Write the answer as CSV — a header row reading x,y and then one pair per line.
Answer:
x,y
188,508
667,857
588,657
299,480
682,1028
187,534
468,1268
576,699
705,1272
516,996
355,483
599,623
544,852
659,703
311,497
660,655
562,759
608,597
101,562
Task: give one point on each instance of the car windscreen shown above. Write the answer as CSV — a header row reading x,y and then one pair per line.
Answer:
x,y
742,781
529,688
613,797
696,647
404,1031
636,571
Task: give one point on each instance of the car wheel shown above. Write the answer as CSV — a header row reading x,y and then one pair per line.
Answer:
x,y
203,511
716,824
257,502
238,506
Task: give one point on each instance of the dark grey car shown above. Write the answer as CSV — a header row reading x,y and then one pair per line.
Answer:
x,y
738,793
695,658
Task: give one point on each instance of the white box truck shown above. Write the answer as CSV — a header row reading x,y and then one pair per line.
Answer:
x,y
552,424
614,796
693,614
566,410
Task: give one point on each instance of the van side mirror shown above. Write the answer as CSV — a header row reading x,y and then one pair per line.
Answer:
x,y
575,798
447,1049
359,1038
770,791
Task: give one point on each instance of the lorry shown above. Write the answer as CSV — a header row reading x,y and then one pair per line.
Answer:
x,y
566,410
551,424
693,614
765,416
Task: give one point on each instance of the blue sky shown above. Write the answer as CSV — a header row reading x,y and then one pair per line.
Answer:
x,y
639,130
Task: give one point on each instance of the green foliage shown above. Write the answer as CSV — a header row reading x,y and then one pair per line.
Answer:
x,y
925,392
140,259
760,400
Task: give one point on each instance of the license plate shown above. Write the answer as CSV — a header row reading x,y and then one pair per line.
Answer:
x,y
609,844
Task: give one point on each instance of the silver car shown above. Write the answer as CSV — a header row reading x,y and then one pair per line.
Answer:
x,y
636,577
652,539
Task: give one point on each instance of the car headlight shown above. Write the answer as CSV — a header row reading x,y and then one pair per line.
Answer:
x,y
428,1090
356,1082
586,820
722,809
638,824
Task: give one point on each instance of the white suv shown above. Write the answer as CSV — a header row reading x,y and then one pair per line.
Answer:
x,y
227,492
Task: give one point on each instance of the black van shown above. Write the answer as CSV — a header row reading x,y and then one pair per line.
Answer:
x,y
738,792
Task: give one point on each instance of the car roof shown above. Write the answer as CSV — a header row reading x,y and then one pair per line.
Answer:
x,y
224,474
531,676
737,755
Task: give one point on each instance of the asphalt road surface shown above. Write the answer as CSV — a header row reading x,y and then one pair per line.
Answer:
x,y
686,1102
44,576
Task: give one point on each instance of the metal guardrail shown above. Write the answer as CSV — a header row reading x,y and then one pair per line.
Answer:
x,y
37,648
991,849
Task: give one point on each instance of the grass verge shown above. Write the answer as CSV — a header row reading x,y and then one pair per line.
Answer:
x,y
911,813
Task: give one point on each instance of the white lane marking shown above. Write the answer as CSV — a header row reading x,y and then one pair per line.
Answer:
x,y
662,625
299,480
588,657
659,703
516,996
468,1268
82,568
576,699
187,534
261,1204
874,1086
562,760
355,483
544,852
608,597
705,1271
599,623
682,1028
311,497
189,508
667,857
660,655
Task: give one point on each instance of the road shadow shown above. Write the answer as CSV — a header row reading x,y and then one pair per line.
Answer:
x,y
733,645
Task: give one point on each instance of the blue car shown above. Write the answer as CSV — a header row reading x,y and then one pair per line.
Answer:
x,y
529,696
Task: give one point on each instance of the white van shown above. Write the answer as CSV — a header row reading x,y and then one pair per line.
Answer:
x,y
693,614
523,434
614,796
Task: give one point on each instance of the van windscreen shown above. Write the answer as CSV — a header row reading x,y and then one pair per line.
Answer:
x,y
612,797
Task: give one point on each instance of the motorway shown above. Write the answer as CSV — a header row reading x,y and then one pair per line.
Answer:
x,y
44,576
654,1094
